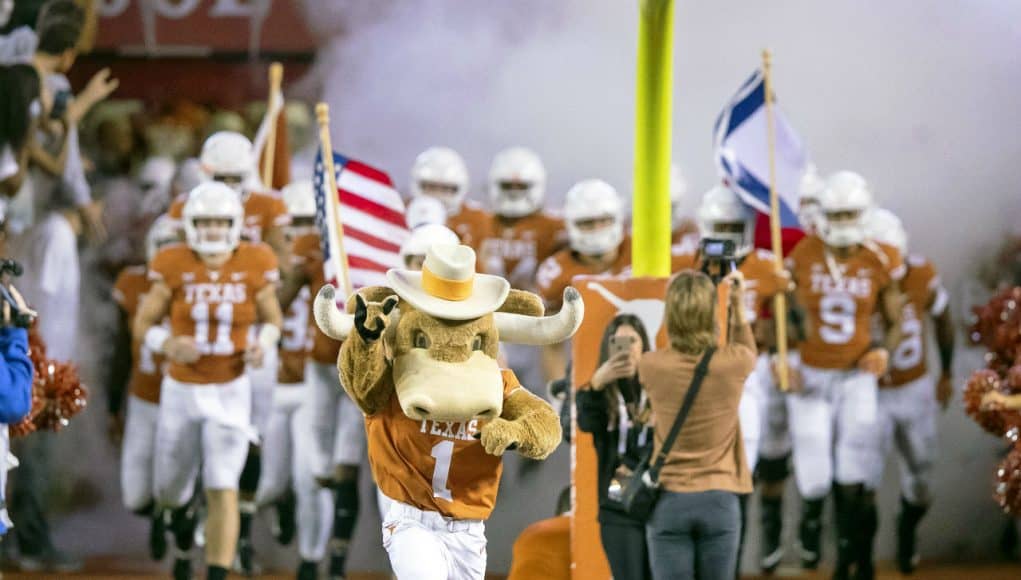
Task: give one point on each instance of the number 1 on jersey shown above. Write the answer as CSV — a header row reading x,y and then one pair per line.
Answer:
x,y
443,453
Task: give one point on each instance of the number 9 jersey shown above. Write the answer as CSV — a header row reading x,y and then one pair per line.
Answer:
x,y
839,296
216,307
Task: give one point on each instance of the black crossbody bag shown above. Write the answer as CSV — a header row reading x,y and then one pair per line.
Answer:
x,y
636,493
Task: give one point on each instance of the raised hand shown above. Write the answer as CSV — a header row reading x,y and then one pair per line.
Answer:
x,y
372,319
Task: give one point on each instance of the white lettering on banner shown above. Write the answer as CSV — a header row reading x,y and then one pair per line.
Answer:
x,y
175,9
235,293
242,8
451,429
112,8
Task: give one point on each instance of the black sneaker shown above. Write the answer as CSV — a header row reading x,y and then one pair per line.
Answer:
x,y
158,535
245,563
52,560
308,571
182,569
286,524
338,563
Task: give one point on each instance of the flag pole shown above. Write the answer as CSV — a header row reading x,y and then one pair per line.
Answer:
x,y
276,77
780,299
323,117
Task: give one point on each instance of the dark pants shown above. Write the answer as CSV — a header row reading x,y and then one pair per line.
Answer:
x,y
626,550
694,531
30,486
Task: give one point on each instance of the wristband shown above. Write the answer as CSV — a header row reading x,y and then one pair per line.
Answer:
x,y
156,337
269,336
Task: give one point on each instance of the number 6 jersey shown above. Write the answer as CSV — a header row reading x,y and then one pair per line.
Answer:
x,y
216,307
436,466
839,297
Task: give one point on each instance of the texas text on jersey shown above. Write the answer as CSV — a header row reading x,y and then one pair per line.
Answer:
x,y
217,307
146,366
435,466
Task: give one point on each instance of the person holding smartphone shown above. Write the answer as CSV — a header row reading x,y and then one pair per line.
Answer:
x,y
613,407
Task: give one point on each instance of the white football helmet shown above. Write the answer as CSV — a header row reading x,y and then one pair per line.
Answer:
x,y
425,210
189,175
517,182
213,200
844,204
441,166
228,156
809,190
589,200
300,198
723,216
155,177
882,225
420,240
678,190
161,232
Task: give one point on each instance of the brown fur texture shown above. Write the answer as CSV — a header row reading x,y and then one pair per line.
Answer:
x,y
367,374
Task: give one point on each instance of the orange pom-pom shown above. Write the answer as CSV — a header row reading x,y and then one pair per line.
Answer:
x,y
1007,491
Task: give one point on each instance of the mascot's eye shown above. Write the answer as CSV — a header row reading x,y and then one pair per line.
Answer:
x,y
420,340
477,342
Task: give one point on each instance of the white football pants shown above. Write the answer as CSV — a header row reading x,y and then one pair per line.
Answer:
x,y
427,546
138,452
907,423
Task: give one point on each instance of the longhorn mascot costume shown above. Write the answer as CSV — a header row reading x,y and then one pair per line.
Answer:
x,y
439,411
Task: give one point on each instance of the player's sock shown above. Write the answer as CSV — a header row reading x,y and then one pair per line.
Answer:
x,y
772,531
345,516
286,524
182,525
182,565
810,532
910,516
867,522
245,549
157,533
216,573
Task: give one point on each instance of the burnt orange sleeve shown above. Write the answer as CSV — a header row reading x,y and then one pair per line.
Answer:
x,y
276,213
550,281
264,266
510,382
121,289
164,266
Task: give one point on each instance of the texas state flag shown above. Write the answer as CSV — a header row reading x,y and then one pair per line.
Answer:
x,y
741,149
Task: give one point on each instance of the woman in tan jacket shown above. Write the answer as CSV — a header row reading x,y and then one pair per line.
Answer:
x,y
696,523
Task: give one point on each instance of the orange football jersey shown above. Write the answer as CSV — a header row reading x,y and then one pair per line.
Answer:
x,y
890,257
263,211
757,267
146,366
295,340
472,224
217,307
838,307
554,274
514,248
435,466
308,256
921,286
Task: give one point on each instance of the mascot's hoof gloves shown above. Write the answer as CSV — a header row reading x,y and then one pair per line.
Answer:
x,y
376,313
498,435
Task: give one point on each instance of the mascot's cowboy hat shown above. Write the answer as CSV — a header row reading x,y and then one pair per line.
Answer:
x,y
448,287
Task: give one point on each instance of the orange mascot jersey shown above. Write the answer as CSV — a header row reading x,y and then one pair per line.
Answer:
x,y
263,212
295,338
146,366
757,267
555,273
472,224
215,307
308,256
924,292
435,465
839,305
514,248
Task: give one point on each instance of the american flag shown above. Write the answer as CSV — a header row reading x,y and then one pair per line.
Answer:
x,y
372,213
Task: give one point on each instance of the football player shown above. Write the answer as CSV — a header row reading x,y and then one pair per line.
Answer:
x,y
723,216
425,210
841,283
809,190
684,230
137,370
155,179
214,288
594,215
522,236
288,449
441,173
909,395
227,157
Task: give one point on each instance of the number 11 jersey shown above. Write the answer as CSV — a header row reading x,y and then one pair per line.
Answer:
x,y
216,307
